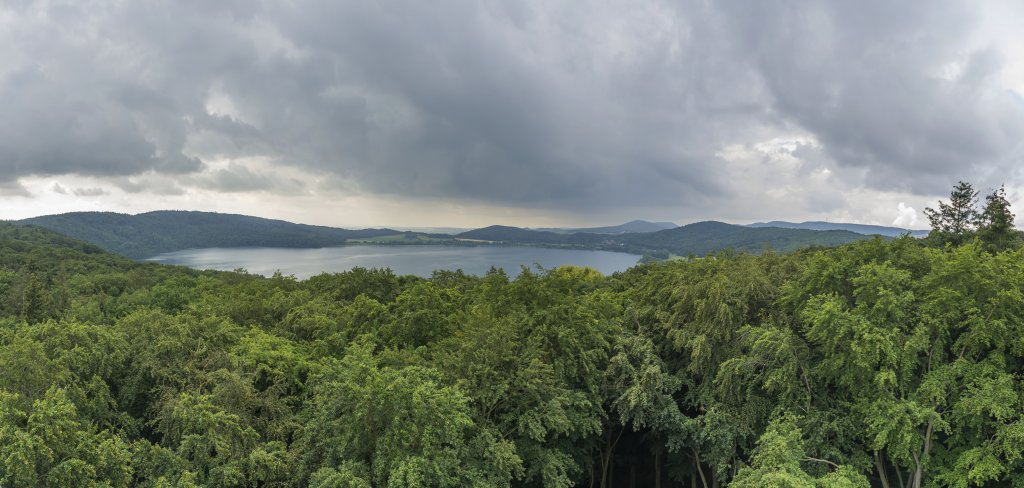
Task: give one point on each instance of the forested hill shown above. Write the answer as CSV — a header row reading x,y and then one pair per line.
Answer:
x,y
702,238
698,239
27,238
517,235
631,226
148,234
876,363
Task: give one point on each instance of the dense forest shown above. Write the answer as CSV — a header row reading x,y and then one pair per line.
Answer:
x,y
891,363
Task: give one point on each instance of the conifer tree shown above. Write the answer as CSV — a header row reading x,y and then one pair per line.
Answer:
x,y
995,222
954,222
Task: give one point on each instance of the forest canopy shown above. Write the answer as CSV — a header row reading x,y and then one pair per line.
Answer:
x,y
892,363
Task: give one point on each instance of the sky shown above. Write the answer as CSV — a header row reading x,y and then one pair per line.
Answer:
x,y
532,113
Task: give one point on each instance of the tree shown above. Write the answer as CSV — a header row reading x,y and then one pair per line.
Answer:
x,y
954,222
397,427
33,302
995,223
49,445
777,458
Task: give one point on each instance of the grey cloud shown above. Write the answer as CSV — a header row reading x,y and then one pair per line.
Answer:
x,y
583,106
13,189
148,183
237,178
457,99
78,192
89,192
46,131
866,79
63,113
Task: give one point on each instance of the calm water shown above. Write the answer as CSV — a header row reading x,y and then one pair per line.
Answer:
x,y
415,260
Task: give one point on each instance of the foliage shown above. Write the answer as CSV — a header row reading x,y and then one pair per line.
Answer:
x,y
961,219
878,363
995,222
954,221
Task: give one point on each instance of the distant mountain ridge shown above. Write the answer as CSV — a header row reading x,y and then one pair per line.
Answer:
x,y
633,226
865,229
518,235
148,234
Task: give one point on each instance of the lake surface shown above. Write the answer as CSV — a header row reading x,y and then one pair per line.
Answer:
x,y
414,260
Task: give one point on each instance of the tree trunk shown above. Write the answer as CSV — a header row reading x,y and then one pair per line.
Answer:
x,y
657,470
919,460
591,475
881,470
606,458
915,480
632,474
611,469
699,470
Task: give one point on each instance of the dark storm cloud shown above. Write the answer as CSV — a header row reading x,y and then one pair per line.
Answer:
x,y
464,99
46,130
71,103
579,105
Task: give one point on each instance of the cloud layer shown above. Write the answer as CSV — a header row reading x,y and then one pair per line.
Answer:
x,y
590,108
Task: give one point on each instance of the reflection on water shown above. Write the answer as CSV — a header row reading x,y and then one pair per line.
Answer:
x,y
415,260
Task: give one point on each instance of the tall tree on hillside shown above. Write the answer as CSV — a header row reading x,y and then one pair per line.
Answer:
x,y
954,222
995,223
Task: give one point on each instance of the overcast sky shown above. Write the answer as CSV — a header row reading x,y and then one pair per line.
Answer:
x,y
533,113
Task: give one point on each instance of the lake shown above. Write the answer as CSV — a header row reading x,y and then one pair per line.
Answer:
x,y
414,260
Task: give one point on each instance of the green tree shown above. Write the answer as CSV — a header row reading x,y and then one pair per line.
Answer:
x,y
397,428
49,445
33,301
995,222
222,450
777,463
954,222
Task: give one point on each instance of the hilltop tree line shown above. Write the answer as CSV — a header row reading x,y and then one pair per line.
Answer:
x,y
889,363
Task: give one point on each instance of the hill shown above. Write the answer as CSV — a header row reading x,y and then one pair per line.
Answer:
x,y
33,249
702,238
151,233
24,237
635,226
881,230
516,235
699,239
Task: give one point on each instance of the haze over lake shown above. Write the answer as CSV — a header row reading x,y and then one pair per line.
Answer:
x,y
414,260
